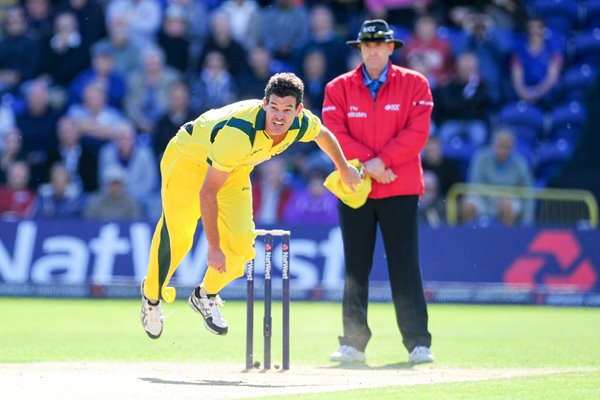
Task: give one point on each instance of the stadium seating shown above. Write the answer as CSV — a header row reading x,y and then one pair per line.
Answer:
x,y
456,37
567,121
566,124
559,15
576,82
526,120
460,150
586,47
591,13
550,157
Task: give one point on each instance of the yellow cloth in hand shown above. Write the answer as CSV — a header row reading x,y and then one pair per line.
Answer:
x,y
356,199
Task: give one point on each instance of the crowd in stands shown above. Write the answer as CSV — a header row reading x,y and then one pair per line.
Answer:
x,y
92,90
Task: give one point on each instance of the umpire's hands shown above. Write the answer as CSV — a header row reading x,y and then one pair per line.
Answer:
x,y
388,176
375,168
216,260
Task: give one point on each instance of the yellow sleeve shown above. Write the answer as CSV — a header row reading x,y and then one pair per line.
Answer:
x,y
229,149
310,126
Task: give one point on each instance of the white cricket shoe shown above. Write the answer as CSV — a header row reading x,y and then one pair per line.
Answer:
x,y
347,354
151,316
420,355
208,307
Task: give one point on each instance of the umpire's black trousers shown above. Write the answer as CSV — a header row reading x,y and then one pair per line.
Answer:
x,y
397,218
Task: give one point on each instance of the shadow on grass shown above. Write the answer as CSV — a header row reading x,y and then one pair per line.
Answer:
x,y
363,366
220,382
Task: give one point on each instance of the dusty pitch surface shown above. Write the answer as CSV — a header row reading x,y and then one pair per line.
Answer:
x,y
132,381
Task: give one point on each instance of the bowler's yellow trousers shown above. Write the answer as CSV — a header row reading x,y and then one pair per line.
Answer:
x,y
174,234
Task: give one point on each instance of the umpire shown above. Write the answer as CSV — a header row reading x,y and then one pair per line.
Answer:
x,y
380,114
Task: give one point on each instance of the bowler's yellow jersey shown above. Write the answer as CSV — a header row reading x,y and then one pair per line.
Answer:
x,y
235,136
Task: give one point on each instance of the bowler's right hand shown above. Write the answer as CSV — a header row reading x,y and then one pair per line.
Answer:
x,y
350,176
216,260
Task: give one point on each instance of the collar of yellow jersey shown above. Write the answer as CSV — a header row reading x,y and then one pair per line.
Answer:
x,y
355,199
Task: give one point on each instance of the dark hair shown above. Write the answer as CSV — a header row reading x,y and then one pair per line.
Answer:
x,y
285,84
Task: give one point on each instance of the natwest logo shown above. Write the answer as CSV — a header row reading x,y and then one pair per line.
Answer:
x,y
554,259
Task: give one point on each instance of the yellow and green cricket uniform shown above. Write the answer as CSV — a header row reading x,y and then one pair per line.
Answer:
x,y
231,139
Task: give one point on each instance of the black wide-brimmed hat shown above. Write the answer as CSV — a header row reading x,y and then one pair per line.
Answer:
x,y
375,30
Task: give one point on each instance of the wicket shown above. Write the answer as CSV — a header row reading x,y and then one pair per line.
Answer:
x,y
285,299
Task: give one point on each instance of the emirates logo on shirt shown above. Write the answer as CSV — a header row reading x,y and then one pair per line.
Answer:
x,y
354,113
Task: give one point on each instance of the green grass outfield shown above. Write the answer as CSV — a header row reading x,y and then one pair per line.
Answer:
x,y
464,336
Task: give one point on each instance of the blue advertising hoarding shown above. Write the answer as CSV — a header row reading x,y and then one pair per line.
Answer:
x,y
526,260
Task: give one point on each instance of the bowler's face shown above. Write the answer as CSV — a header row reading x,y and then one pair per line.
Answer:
x,y
376,55
280,114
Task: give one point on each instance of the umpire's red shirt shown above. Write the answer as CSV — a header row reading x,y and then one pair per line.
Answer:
x,y
394,127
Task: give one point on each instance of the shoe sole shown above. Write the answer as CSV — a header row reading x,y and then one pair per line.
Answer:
x,y
421,361
206,325
347,361
344,361
151,336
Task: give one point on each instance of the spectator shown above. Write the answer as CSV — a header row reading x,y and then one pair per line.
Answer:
x,y
40,17
11,153
65,54
196,16
314,75
178,113
463,105
112,202
252,83
323,37
125,53
348,14
143,18
491,48
147,95
270,191
17,199
60,199
221,40
19,53
498,165
398,12
454,13
37,123
507,14
214,86
536,66
353,61
313,204
90,17
291,23
80,161
447,171
95,119
172,38
7,118
135,159
102,70
504,14
431,204
241,15
431,53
